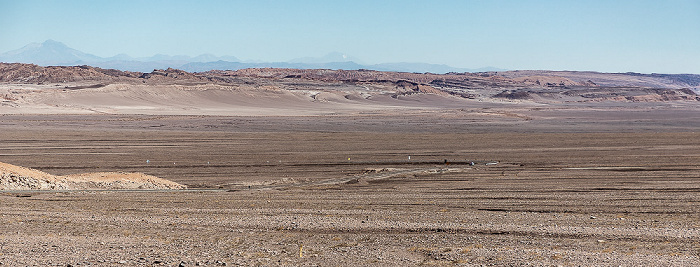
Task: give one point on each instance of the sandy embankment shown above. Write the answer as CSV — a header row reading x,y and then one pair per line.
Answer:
x,y
20,178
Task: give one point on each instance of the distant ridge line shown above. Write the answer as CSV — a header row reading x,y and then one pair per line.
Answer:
x,y
54,53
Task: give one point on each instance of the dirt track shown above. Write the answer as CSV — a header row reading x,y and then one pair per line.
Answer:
x,y
561,193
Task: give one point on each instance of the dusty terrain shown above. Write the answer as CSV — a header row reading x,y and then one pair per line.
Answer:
x,y
327,180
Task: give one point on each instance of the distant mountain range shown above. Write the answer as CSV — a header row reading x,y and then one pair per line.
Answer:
x,y
53,53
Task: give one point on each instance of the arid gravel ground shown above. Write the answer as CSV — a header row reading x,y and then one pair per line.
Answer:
x,y
544,190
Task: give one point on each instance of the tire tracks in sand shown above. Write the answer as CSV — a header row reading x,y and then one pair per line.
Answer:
x,y
370,175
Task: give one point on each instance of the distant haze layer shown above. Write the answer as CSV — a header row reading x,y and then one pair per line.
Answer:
x,y
54,53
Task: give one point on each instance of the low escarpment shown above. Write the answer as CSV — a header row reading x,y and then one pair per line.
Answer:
x,y
20,178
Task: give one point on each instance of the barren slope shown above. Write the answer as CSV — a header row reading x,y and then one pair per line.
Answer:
x,y
30,89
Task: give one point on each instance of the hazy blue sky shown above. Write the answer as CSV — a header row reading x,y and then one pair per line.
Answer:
x,y
611,36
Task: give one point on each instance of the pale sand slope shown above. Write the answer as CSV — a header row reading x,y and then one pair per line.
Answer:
x,y
20,178
211,99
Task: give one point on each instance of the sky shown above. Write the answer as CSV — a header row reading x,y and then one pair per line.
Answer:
x,y
598,35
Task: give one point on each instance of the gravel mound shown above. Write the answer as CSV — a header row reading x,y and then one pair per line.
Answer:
x,y
20,178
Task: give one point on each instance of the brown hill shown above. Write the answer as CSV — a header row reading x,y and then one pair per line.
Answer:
x,y
30,73
630,79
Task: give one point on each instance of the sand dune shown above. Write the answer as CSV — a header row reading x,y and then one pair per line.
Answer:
x,y
211,99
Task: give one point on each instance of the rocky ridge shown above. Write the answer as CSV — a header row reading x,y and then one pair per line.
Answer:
x,y
538,86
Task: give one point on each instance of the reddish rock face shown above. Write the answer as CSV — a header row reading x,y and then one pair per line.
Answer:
x,y
549,86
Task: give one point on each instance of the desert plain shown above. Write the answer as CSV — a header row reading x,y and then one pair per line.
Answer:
x,y
292,170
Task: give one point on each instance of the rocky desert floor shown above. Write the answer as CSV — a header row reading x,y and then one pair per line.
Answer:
x,y
572,186
289,167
